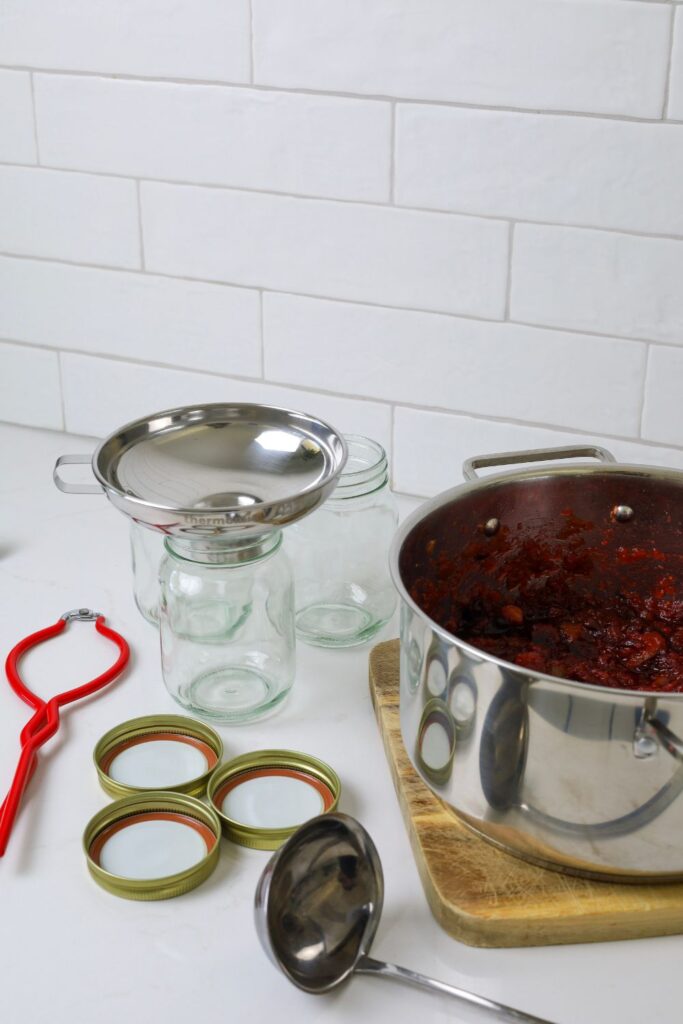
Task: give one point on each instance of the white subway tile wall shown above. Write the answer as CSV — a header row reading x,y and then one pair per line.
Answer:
x,y
29,386
453,225
444,361
598,281
76,217
563,169
430,447
272,141
597,56
17,137
204,39
368,253
99,392
663,412
136,316
675,108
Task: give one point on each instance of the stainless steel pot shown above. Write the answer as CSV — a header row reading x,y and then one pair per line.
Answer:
x,y
576,777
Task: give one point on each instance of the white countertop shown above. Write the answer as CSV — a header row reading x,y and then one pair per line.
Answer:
x,y
70,952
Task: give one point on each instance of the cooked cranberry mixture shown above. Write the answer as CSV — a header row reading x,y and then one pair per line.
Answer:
x,y
600,612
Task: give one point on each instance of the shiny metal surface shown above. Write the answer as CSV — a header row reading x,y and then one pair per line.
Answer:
x,y
80,615
583,778
263,837
152,802
317,908
204,470
572,451
65,485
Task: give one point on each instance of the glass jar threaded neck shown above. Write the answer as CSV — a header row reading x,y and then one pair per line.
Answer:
x,y
366,468
228,548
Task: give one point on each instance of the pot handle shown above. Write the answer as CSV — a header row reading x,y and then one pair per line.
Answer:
x,y
668,739
68,488
590,451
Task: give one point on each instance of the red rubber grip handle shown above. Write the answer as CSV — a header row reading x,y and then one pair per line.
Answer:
x,y
45,721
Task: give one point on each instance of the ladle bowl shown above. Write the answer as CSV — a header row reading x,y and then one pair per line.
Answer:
x,y
317,909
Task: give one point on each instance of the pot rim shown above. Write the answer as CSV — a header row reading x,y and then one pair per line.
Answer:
x,y
495,479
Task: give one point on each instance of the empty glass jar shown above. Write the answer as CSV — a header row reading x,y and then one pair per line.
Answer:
x,y
147,550
226,619
340,554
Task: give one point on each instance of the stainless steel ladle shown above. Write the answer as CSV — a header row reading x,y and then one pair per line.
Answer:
x,y
318,905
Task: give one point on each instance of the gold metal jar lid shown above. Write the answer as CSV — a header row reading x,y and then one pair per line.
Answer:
x,y
157,752
152,846
261,798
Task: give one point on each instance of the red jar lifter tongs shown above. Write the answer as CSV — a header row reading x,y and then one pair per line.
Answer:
x,y
45,721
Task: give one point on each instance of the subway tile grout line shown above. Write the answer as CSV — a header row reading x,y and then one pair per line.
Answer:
x,y
643,392
534,424
392,156
331,93
35,119
252,59
95,437
277,193
261,334
667,79
373,204
222,187
109,268
392,438
141,237
60,379
396,416
508,289
598,335
392,404
406,494
174,367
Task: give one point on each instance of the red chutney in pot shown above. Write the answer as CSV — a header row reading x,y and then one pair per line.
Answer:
x,y
585,605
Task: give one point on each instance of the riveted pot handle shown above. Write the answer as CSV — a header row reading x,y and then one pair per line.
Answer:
x,y
588,451
64,485
669,740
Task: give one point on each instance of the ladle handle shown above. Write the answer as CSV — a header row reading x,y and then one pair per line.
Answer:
x,y
368,965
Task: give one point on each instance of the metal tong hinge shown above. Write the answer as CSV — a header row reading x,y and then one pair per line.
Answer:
x,y
80,615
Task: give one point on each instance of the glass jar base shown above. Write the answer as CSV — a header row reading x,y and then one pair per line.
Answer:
x,y
335,625
232,694
150,614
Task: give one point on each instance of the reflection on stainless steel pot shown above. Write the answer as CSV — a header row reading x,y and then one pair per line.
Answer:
x,y
435,747
574,776
462,701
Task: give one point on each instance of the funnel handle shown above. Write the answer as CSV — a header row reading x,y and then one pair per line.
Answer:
x,y
64,485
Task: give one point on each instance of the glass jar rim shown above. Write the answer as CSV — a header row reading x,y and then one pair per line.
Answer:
x,y
224,552
372,454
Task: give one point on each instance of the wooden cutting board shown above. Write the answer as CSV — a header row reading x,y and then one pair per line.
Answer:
x,y
485,897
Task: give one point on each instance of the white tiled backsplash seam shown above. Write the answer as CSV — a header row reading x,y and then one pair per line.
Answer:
x,y
451,228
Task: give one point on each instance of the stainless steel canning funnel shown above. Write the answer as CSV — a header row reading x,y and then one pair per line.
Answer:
x,y
208,469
